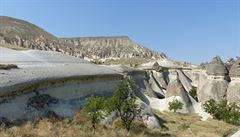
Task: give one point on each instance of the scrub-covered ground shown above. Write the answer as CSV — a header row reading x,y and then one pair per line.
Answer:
x,y
173,125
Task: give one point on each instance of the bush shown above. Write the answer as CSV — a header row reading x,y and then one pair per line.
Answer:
x,y
175,105
229,113
193,93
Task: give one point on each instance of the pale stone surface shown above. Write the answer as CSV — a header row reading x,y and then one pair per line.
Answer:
x,y
147,115
233,91
216,83
69,80
151,121
213,89
163,104
176,88
217,67
37,66
237,134
71,96
186,82
160,78
198,77
155,85
235,69
168,63
63,77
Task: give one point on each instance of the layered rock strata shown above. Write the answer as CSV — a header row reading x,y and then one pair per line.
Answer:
x,y
216,83
233,92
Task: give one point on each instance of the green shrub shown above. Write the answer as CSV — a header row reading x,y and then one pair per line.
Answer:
x,y
175,105
193,93
210,107
229,113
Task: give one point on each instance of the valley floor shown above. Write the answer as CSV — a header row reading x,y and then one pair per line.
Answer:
x,y
173,125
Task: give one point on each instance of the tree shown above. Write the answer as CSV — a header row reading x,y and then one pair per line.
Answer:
x,y
228,112
124,101
175,105
94,110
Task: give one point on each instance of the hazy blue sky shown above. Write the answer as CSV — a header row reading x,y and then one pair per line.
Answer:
x,y
188,30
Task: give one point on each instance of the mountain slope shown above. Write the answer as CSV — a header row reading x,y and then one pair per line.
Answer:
x,y
112,47
24,34
11,27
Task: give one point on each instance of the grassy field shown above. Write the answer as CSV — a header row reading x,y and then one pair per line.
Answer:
x,y
79,126
174,125
190,125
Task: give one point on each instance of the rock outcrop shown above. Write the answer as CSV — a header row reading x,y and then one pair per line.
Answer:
x,y
216,84
53,83
111,47
154,83
233,92
186,82
235,69
176,88
217,67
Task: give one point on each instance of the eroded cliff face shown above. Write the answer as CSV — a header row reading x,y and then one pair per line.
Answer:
x,y
112,47
50,82
216,83
233,92
64,97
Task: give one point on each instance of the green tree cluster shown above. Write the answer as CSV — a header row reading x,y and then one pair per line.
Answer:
x,y
123,101
175,105
228,112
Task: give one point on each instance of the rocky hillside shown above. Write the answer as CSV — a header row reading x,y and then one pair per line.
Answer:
x,y
112,47
24,34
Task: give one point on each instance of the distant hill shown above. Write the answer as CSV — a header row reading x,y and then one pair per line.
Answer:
x,y
24,34
112,47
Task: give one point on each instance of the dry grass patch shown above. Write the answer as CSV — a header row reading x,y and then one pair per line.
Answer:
x,y
174,125
189,125
14,47
127,61
79,126
8,66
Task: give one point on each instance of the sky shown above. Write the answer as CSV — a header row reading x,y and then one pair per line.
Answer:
x,y
185,30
